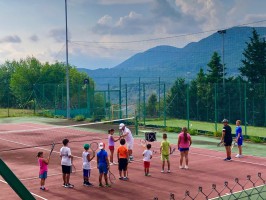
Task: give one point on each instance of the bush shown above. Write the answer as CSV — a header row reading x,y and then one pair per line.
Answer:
x,y
172,129
193,131
79,118
46,113
217,134
209,134
256,139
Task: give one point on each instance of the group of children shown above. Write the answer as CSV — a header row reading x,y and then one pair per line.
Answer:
x,y
103,164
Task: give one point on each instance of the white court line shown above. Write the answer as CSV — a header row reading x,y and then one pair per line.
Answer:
x,y
31,192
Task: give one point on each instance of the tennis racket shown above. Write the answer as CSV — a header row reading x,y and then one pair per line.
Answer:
x,y
94,146
233,144
112,178
52,148
73,168
172,150
220,144
143,143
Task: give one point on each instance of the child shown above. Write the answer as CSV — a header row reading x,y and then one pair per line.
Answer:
x,y
43,162
122,157
165,150
183,144
66,162
239,139
102,165
147,156
111,144
86,164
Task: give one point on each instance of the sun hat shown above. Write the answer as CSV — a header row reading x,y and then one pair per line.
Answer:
x,y
121,125
225,121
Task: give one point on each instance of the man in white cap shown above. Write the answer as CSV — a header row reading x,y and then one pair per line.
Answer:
x,y
126,133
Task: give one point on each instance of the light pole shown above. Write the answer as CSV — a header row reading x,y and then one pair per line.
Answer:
x,y
67,70
222,32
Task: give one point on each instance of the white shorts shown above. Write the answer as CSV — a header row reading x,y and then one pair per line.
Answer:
x,y
130,145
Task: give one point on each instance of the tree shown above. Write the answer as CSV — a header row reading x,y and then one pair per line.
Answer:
x,y
176,99
254,63
215,71
151,107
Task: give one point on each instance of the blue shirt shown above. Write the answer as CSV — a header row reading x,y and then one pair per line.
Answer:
x,y
239,132
102,155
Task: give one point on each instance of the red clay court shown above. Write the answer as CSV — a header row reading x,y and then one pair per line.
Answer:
x,y
206,167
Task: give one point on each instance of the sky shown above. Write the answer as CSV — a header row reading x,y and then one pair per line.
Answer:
x,y
104,33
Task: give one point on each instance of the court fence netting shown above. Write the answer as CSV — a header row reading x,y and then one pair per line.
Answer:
x,y
20,136
250,189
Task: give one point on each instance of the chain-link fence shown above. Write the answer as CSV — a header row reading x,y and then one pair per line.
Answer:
x,y
252,188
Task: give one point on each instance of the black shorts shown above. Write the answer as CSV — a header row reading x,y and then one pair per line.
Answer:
x,y
122,164
66,169
227,143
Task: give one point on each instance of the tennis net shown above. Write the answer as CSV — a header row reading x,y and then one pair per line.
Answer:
x,y
30,135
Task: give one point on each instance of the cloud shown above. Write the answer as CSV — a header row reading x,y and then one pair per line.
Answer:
x,y
59,35
11,39
105,20
34,38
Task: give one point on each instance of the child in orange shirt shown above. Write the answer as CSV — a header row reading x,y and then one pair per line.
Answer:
x,y
122,157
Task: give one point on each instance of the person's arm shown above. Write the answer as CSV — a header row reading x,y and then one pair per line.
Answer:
x,y
115,140
223,134
107,161
46,160
170,148
151,156
117,155
97,162
190,141
178,142
89,158
161,148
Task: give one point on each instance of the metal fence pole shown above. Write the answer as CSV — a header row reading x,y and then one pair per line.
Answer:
x,y
215,105
164,106
159,109
188,107
144,105
126,101
245,107
120,98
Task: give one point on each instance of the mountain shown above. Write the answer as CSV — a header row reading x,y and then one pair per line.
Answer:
x,y
170,62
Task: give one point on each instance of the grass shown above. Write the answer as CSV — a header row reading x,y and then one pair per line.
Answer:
x,y
208,126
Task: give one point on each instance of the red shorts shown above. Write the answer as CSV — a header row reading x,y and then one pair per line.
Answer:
x,y
112,147
146,164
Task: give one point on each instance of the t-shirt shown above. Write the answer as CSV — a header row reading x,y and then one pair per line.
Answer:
x,y
183,143
111,142
129,138
147,155
228,133
102,155
65,152
43,166
122,151
165,147
239,132
86,163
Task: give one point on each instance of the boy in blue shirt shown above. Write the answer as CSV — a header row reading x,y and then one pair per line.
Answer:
x,y
239,139
102,165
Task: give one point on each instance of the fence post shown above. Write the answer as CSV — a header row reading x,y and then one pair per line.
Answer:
x,y
109,101
164,106
188,107
139,95
245,105
144,105
215,105
126,101
120,98
159,109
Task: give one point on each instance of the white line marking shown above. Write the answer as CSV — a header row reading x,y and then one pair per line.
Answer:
x,y
31,192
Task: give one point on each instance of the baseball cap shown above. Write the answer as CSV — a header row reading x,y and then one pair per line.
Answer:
x,y
101,145
121,125
86,146
225,121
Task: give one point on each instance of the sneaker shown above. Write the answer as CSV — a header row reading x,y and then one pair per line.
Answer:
x,y
107,185
186,167
162,171
100,185
131,158
114,163
121,178
227,159
148,175
181,167
69,185
87,184
44,188
111,164
168,171
240,156
63,185
237,156
125,178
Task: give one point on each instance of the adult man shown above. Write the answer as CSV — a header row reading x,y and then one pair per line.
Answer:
x,y
227,139
126,133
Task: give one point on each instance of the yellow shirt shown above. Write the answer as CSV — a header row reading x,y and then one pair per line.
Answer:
x,y
165,145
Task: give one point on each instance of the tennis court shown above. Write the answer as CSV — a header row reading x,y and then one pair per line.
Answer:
x,y
206,166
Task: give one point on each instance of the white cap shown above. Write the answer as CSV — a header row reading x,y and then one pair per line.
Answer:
x,y
101,145
121,125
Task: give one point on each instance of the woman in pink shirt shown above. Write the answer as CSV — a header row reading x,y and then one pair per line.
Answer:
x,y
183,144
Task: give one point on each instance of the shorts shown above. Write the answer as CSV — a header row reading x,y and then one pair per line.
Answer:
x,y
43,175
227,143
147,164
240,142
122,164
86,172
130,145
111,147
103,168
164,157
66,169
183,149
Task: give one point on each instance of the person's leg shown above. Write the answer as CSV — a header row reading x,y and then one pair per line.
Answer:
x,y
67,178
64,178
112,155
186,157
240,149
42,182
106,179
163,165
168,164
100,179
181,159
